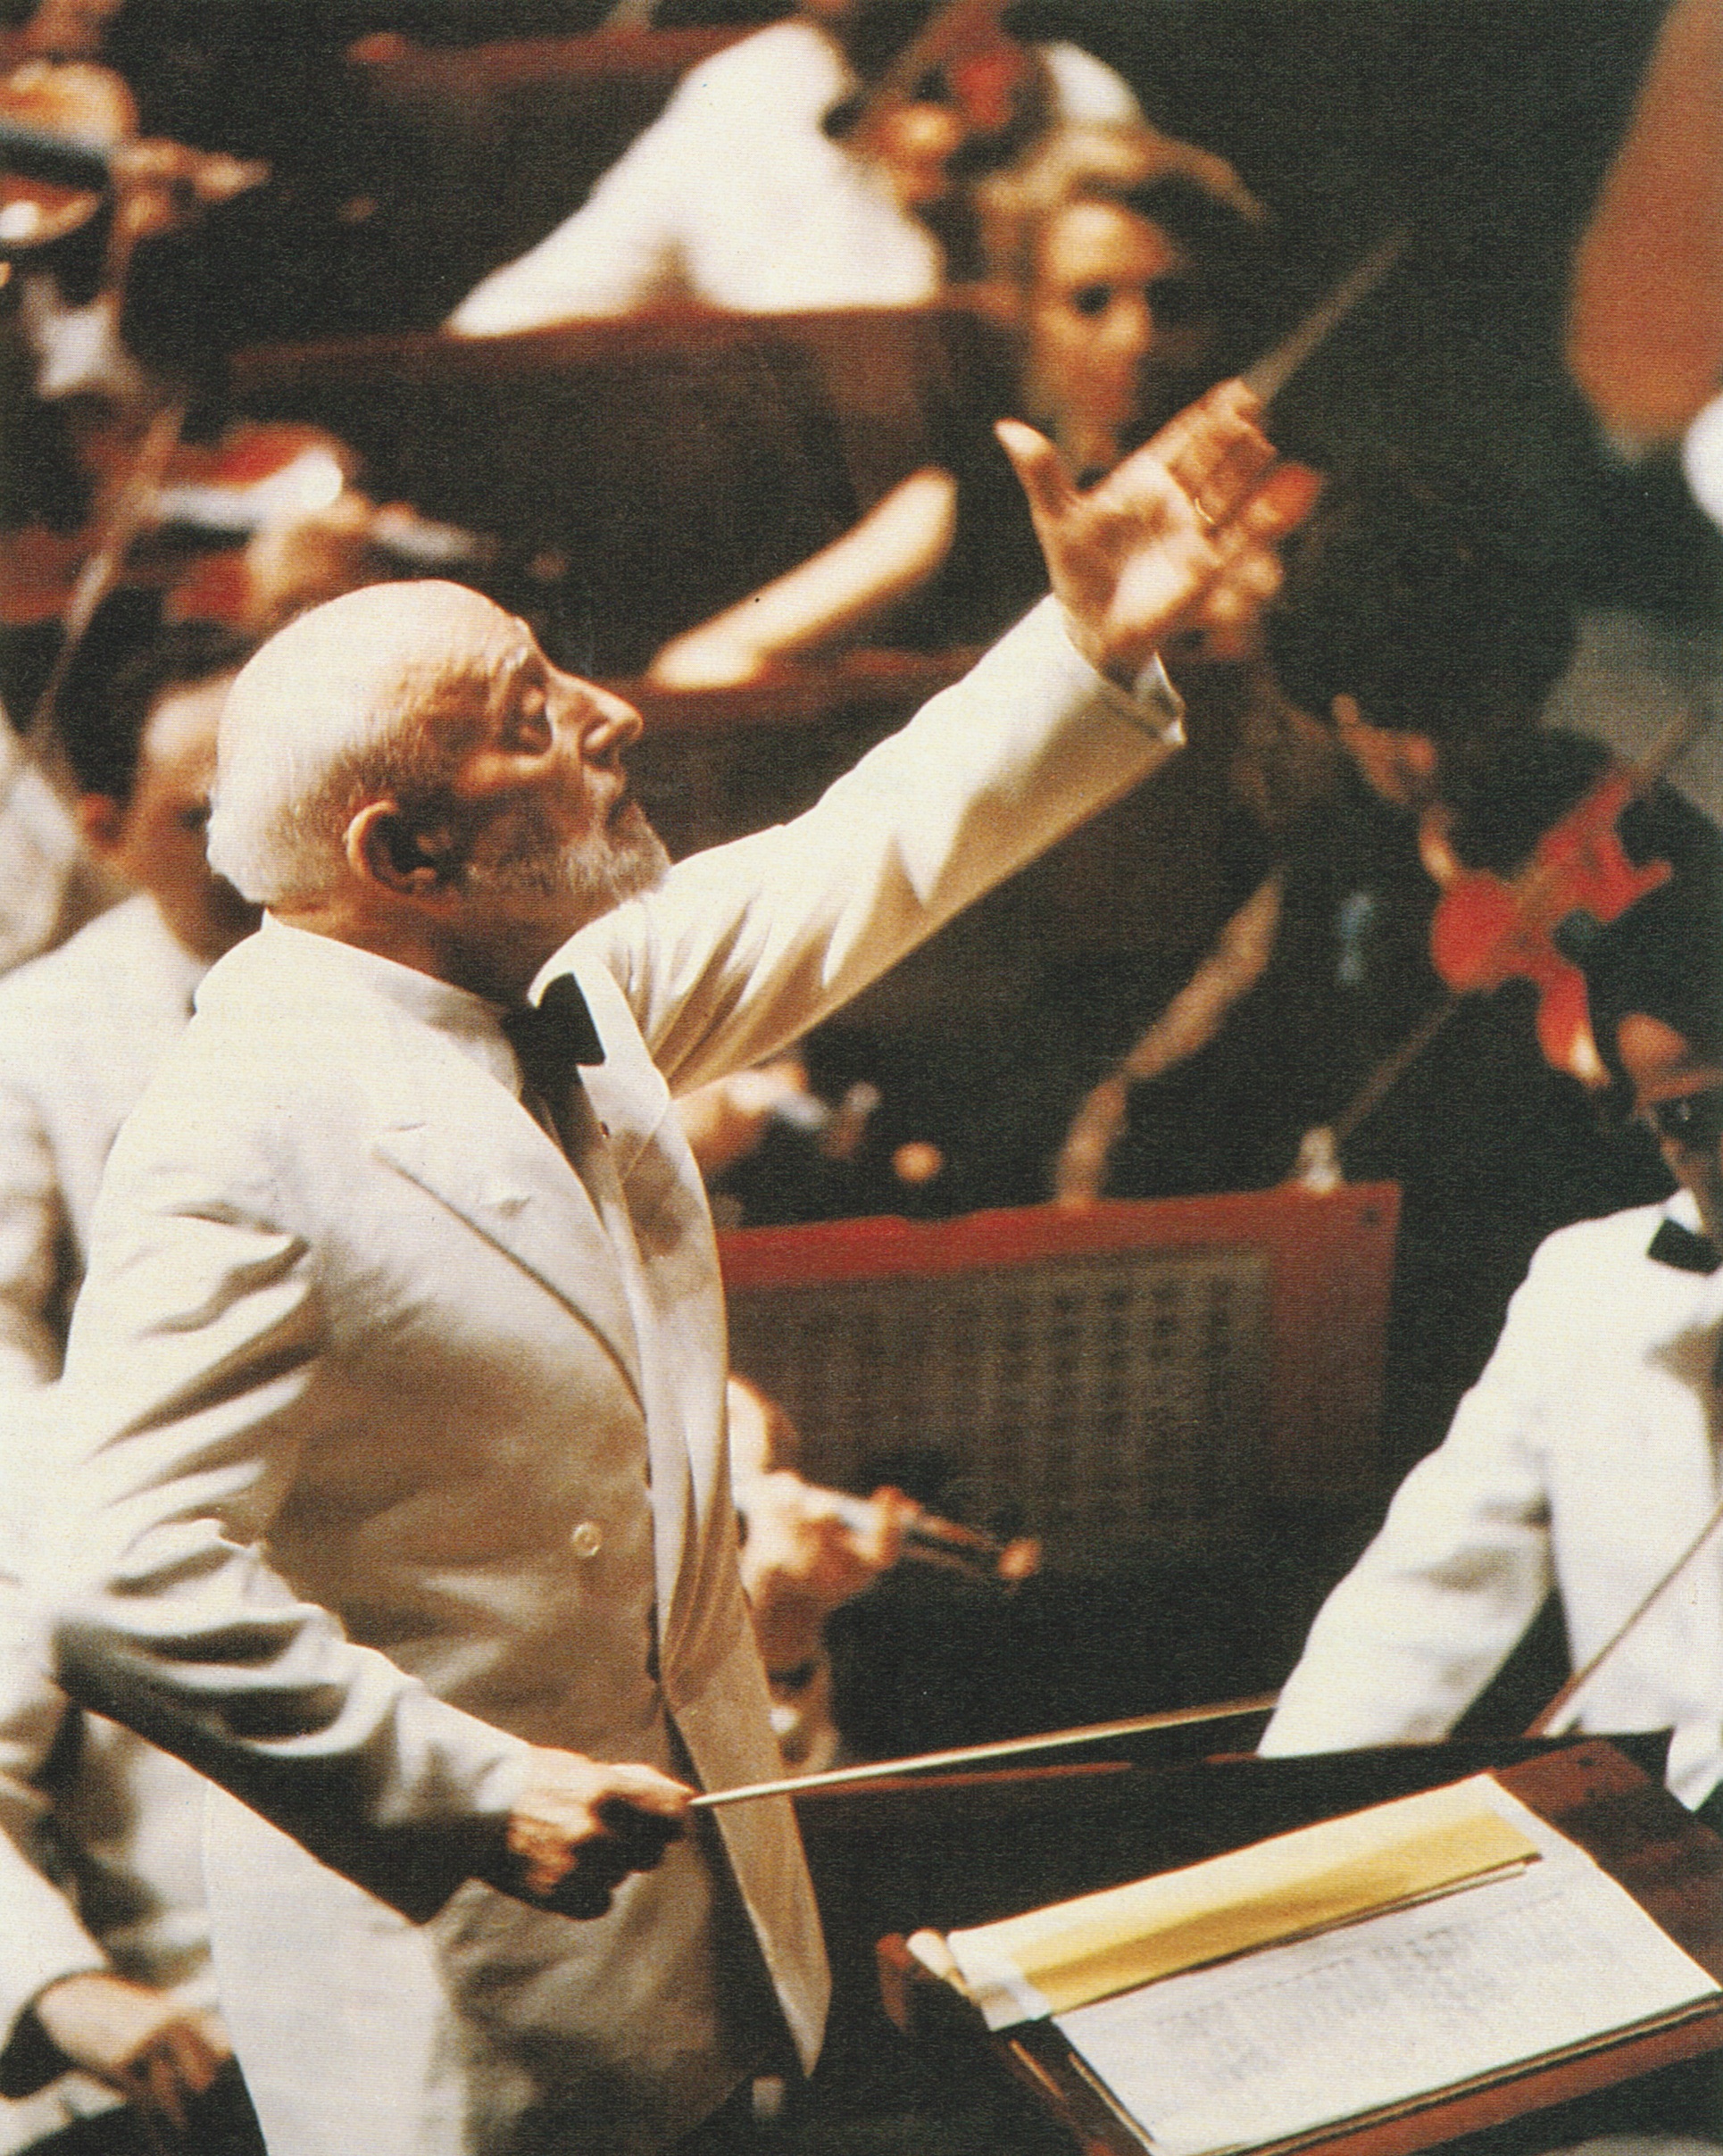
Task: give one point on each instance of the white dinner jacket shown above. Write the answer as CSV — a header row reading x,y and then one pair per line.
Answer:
x,y
390,1445
101,1834
81,1030
1584,1458
49,886
101,1868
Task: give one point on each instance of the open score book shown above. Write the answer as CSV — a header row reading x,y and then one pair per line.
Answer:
x,y
1353,1966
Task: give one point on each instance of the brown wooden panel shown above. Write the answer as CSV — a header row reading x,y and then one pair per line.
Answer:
x,y
673,462
1226,1353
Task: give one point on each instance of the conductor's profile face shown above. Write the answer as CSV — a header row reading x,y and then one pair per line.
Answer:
x,y
403,769
551,834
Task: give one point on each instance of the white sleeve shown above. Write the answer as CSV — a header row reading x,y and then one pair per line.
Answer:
x,y
33,1234
743,948
190,1391
41,1936
1462,1564
620,252
1090,94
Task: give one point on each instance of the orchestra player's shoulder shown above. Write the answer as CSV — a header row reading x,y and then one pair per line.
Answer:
x,y
1599,1271
788,73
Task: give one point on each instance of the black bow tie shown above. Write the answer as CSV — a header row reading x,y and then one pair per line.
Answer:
x,y
1674,1245
554,1035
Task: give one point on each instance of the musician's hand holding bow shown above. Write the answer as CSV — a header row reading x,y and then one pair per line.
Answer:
x,y
808,1551
1181,536
805,1550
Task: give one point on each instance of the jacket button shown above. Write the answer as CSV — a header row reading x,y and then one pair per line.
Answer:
x,y
587,1539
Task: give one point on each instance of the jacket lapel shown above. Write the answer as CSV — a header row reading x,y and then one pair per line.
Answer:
x,y
478,1151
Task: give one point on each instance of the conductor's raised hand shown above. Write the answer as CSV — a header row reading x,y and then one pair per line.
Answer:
x,y
1180,535
581,1826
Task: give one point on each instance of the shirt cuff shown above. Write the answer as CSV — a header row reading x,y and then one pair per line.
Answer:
x,y
1151,702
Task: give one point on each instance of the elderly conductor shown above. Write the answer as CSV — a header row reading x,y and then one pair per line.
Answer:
x,y
390,1489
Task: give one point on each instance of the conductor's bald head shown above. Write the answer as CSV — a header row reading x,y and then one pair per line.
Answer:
x,y
404,762
351,699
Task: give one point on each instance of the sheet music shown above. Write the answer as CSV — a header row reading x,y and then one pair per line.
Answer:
x,y
1297,2036
1051,1961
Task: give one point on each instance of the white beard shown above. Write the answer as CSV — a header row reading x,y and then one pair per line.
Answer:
x,y
597,872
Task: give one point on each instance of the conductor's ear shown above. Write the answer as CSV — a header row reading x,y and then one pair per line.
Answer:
x,y
383,846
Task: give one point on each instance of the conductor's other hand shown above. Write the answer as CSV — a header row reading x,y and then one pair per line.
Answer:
x,y
156,2052
1180,535
581,1826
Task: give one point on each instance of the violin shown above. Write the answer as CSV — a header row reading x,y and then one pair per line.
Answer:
x,y
982,70
54,179
70,155
259,478
1488,930
931,1540
70,149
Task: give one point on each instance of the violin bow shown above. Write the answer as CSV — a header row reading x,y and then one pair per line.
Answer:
x,y
126,513
979,1755
1543,1723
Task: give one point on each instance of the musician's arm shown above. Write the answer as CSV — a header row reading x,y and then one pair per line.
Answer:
x,y
1462,1564
1645,314
1233,965
901,543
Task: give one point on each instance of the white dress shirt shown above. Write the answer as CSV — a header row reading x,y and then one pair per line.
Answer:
x,y
81,1031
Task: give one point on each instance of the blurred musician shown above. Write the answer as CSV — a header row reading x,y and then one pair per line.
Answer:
x,y
1583,1459
791,171
1414,647
82,1030
1121,257
80,188
805,1552
107,1997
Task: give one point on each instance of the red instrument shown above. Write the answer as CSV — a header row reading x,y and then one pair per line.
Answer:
x,y
1488,930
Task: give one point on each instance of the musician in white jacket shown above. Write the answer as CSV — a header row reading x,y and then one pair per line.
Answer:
x,y
739,197
1585,1458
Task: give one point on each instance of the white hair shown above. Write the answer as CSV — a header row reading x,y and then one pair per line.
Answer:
x,y
337,710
